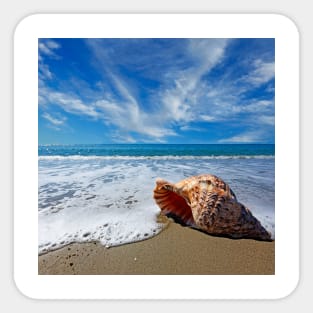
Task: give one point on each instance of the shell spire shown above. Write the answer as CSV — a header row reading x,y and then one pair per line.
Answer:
x,y
208,203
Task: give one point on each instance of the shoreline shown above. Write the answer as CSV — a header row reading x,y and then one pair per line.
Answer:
x,y
176,250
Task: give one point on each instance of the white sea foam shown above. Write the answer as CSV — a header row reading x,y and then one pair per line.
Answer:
x,y
110,199
86,202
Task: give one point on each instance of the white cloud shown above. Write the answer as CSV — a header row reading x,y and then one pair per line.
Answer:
x,y
224,100
262,72
180,100
128,118
191,128
243,138
270,89
125,115
55,122
108,106
208,52
255,106
52,44
70,104
207,118
266,119
176,106
44,72
122,138
250,136
122,88
48,47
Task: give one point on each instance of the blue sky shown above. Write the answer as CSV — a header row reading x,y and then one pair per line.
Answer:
x,y
156,91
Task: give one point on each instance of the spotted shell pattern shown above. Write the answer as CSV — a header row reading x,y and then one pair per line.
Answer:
x,y
206,202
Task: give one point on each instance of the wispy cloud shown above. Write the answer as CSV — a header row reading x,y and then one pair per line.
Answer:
x,y
254,106
128,118
151,90
54,122
122,138
44,72
68,103
266,120
207,118
124,115
174,103
127,112
262,72
245,137
180,100
46,49
230,98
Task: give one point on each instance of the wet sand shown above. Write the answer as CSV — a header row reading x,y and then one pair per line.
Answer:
x,y
176,250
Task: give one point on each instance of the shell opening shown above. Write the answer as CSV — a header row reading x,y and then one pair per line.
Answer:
x,y
172,204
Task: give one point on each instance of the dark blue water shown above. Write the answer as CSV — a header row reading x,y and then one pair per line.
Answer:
x,y
158,150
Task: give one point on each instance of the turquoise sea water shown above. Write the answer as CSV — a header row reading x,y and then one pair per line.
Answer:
x,y
104,192
158,150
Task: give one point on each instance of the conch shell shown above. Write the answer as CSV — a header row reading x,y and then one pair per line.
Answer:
x,y
206,202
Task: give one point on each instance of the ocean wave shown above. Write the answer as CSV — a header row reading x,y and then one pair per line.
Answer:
x,y
155,157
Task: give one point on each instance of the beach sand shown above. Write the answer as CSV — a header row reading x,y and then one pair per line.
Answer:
x,y
176,250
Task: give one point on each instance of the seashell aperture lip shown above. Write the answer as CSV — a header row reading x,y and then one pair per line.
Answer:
x,y
206,202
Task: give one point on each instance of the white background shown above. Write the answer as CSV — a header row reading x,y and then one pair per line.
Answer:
x,y
286,160
14,11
